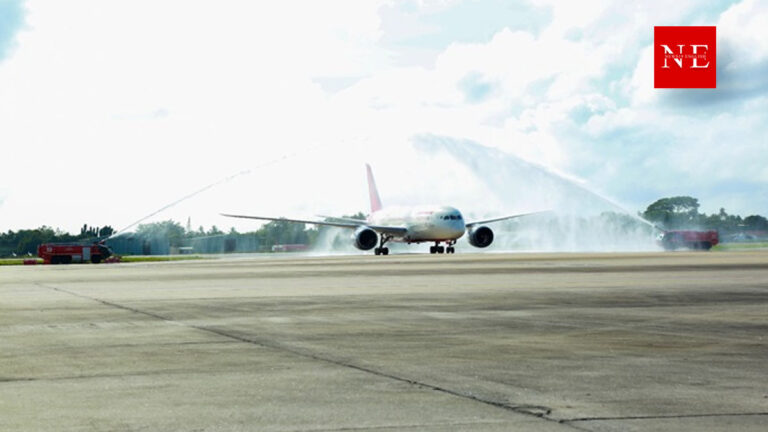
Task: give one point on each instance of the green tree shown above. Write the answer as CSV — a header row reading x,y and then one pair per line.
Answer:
x,y
283,232
90,232
106,231
27,241
756,223
723,222
214,231
170,230
674,212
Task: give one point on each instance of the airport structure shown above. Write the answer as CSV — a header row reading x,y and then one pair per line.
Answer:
x,y
133,244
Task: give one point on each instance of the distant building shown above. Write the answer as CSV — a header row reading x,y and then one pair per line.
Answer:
x,y
132,244
224,243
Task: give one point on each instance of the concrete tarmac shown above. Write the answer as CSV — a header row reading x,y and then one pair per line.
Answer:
x,y
478,342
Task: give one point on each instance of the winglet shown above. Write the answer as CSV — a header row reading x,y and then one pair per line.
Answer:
x,y
372,192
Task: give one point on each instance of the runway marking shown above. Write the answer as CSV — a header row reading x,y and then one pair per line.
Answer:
x,y
537,411
669,416
95,376
400,427
495,269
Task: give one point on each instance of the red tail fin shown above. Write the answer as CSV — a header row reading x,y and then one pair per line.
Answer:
x,y
372,192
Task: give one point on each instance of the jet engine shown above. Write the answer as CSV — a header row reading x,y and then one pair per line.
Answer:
x,y
365,238
480,237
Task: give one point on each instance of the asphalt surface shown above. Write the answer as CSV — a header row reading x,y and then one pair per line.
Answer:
x,y
486,342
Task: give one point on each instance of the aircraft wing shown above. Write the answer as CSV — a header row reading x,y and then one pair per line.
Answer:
x,y
344,219
343,223
487,221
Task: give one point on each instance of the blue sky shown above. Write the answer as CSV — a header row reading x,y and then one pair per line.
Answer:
x,y
163,102
11,21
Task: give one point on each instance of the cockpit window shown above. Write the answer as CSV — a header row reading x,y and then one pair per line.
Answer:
x,y
451,217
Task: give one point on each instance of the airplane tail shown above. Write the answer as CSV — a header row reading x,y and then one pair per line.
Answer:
x,y
372,192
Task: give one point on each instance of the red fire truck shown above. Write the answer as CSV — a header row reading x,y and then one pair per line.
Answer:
x,y
686,239
67,253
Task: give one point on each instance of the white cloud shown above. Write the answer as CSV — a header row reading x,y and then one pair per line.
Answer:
x,y
744,30
160,98
160,103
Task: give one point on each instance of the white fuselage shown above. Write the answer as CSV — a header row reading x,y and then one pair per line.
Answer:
x,y
424,224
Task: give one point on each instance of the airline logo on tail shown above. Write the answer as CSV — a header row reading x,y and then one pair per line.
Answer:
x,y
373,193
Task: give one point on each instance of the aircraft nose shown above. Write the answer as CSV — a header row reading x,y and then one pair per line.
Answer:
x,y
458,229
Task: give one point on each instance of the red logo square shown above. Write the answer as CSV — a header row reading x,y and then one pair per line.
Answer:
x,y
685,57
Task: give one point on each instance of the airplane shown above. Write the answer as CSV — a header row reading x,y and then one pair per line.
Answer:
x,y
427,224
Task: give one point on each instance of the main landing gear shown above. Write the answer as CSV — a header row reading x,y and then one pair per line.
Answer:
x,y
381,250
437,249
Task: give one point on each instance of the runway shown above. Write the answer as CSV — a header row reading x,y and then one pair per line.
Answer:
x,y
480,342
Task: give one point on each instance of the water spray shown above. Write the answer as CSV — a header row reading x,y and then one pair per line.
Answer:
x,y
211,186
583,218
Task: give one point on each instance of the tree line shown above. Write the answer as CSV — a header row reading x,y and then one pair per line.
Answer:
x,y
271,233
681,212
25,242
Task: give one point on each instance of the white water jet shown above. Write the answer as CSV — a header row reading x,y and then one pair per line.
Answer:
x,y
484,182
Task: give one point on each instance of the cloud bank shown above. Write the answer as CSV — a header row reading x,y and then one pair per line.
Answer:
x,y
161,99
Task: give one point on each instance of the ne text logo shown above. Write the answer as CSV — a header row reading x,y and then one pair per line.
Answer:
x,y
685,57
